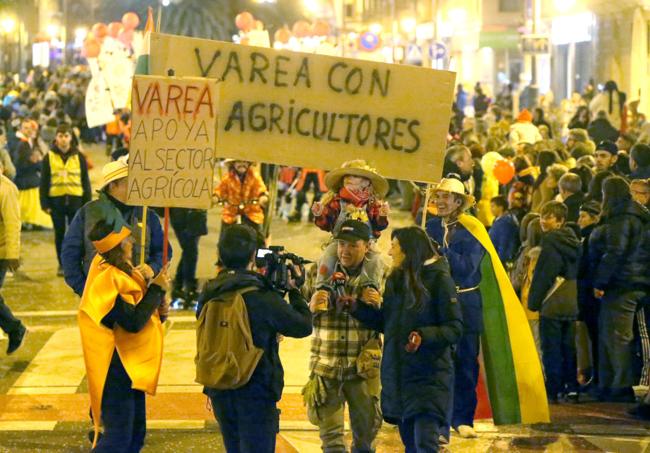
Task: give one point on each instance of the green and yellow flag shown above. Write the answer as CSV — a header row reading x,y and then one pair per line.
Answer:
x,y
513,370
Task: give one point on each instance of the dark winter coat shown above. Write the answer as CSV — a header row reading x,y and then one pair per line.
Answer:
x,y
504,234
193,222
586,299
559,258
619,249
600,130
641,173
420,382
573,203
269,315
28,173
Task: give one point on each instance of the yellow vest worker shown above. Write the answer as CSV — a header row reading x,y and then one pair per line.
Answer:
x,y
122,340
65,185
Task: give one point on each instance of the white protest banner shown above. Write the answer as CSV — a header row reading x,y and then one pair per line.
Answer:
x,y
172,142
99,107
318,111
117,70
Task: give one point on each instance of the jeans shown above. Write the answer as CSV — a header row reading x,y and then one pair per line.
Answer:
x,y
8,322
559,355
465,377
247,425
123,413
365,416
62,211
420,434
616,338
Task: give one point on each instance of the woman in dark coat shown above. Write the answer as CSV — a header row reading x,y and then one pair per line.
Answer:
x,y
421,321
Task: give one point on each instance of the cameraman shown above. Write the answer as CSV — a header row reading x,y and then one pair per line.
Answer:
x,y
337,343
248,416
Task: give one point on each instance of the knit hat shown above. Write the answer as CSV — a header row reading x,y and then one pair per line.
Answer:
x,y
525,116
591,207
608,146
115,170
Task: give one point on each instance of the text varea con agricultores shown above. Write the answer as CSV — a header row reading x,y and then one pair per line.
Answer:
x,y
318,111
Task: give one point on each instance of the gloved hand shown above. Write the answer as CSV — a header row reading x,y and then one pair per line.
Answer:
x,y
314,393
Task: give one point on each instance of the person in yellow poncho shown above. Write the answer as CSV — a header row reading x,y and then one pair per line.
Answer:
x,y
122,339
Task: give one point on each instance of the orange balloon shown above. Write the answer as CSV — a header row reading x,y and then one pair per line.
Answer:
x,y
100,30
125,37
320,28
282,35
114,29
245,21
130,20
504,171
301,29
91,48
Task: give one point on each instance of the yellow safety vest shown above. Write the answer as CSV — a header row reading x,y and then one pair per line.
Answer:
x,y
66,176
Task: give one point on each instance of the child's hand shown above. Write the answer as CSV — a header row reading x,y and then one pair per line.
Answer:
x,y
384,209
317,209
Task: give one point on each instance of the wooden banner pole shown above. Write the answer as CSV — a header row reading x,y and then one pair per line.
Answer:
x,y
143,245
427,197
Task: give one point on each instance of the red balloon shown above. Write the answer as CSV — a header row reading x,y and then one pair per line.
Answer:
x,y
100,30
130,21
504,171
320,28
114,29
91,48
126,37
245,21
301,29
282,35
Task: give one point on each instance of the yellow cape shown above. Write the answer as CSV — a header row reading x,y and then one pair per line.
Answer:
x,y
141,352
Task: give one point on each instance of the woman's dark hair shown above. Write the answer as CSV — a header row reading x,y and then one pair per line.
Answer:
x,y
521,163
616,191
596,185
417,248
115,256
544,160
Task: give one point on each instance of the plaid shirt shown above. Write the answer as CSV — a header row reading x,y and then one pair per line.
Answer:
x,y
337,338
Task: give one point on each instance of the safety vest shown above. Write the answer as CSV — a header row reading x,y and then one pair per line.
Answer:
x,y
66,176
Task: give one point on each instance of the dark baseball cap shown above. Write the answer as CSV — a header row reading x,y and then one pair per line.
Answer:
x,y
608,146
353,230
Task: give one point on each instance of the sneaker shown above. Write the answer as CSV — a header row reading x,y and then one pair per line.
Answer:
x,y
466,432
641,411
16,339
572,397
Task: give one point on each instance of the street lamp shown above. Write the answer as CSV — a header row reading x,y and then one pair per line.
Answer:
x,y
52,30
8,25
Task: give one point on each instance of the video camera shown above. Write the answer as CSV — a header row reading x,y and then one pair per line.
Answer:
x,y
275,261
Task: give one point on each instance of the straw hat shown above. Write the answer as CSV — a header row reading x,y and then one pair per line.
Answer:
x,y
453,185
358,167
115,170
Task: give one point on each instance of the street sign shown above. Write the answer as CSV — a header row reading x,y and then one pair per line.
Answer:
x,y
413,54
535,44
437,51
318,111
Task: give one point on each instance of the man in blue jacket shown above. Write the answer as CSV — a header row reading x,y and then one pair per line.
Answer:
x,y
464,253
77,251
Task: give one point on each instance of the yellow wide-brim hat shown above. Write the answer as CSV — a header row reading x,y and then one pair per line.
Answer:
x,y
359,167
453,185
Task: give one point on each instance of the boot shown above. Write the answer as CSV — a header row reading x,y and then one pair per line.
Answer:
x,y
178,295
191,295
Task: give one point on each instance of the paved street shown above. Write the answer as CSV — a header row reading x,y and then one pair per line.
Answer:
x,y
44,401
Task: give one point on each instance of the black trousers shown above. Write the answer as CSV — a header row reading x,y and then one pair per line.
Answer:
x,y
186,271
247,425
420,434
63,210
8,322
301,197
559,355
123,413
